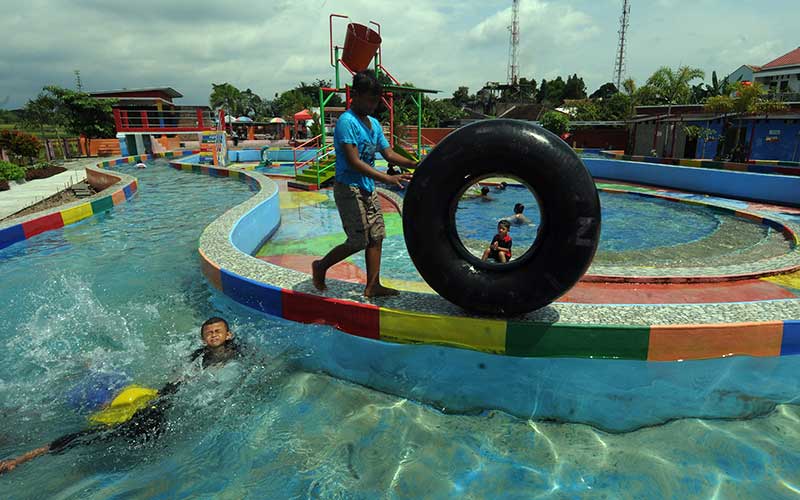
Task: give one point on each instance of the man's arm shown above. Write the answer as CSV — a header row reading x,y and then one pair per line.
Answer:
x,y
351,155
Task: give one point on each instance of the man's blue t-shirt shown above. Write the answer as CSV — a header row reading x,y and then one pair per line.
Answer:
x,y
350,130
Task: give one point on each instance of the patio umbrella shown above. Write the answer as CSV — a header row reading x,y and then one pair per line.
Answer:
x,y
244,119
277,120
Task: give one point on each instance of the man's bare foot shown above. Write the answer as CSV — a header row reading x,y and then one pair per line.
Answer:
x,y
380,291
318,276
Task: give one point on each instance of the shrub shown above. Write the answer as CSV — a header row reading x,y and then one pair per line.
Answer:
x,y
20,144
555,122
43,171
11,172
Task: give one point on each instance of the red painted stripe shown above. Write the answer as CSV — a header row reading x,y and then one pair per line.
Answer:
x,y
42,224
362,320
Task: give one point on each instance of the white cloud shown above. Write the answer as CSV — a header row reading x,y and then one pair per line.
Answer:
x,y
271,46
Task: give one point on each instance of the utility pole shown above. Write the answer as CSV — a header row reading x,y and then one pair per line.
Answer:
x,y
78,84
513,47
619,60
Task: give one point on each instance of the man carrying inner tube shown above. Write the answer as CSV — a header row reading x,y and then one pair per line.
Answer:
x,y
139,413
356,138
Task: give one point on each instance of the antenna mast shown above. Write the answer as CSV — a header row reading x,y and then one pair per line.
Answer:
x,y
513,47
619,63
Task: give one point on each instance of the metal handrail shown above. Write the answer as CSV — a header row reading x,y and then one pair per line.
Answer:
x,y
299,146
317,157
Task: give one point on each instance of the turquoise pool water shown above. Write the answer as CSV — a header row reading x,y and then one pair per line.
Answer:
x,y
122,293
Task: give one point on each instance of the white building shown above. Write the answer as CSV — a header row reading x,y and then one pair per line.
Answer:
x,y
781,76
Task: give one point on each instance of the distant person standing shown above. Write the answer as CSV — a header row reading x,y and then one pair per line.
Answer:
x,y
356,139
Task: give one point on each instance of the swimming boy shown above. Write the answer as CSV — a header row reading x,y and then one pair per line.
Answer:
x,y
356,139
147,422
518,218
500,248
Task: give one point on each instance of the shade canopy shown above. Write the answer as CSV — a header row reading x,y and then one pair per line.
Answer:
x,y
277,119
303,115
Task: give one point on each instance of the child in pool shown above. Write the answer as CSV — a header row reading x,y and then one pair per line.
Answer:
x,y
148,422
518,219
500,247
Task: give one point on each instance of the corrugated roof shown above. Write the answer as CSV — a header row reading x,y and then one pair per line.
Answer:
x,y
789,59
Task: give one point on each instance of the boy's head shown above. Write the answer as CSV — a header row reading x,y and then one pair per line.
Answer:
x,y
503,227
366,92
484,190
215,332
503,185
519,208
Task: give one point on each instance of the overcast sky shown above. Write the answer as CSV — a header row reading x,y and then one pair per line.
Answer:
x,y
271,45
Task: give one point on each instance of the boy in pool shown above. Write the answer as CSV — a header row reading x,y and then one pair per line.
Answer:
x,y
356,138
147,422
500,247
518,218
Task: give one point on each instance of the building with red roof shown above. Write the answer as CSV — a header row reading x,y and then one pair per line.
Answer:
x,y
782,75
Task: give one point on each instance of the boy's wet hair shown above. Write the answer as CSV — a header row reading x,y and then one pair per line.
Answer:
x,y
519,208
505,224
366,83
211,321
484,190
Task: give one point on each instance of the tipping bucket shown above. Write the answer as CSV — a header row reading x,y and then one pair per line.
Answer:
x,y
360,46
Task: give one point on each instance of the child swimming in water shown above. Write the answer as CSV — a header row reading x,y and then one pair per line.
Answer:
x,y
148,421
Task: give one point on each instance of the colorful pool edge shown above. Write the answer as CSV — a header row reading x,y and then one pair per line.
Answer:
x,y
27,227
774,167
508,337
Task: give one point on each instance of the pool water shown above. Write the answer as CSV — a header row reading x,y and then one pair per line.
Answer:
x,y
122,293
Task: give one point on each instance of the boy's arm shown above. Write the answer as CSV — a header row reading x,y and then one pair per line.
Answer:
x,y
395,159
351,155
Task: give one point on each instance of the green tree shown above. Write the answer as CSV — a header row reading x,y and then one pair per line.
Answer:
x,y
617,107
42,112
672,87
554,93
461,97
226,96
605,91
575,88
586,110
746,100
555,122
83,114
703,133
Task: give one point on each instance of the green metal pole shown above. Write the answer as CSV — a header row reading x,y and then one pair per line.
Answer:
x,y
337,66
419,125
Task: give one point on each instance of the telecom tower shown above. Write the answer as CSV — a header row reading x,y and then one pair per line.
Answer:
x,y
513,47
619,63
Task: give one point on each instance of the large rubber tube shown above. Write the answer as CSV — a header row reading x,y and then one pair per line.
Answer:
x,y
567,236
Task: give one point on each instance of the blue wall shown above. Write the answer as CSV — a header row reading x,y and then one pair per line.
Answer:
x,y
770,188
257,225
784,149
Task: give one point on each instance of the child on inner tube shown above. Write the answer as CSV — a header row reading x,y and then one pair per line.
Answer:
x,y
148,422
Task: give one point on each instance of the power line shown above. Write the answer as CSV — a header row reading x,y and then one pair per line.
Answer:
x,y
619,60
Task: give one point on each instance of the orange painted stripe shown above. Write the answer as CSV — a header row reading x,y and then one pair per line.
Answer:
x,y
211,271
752,217
118,197
681,342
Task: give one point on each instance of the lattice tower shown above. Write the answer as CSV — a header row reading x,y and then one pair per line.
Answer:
x,y
619,62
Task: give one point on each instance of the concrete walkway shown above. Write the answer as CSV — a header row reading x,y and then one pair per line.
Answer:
x,y
24,195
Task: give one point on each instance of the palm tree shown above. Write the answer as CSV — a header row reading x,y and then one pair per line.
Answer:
x,y
673,88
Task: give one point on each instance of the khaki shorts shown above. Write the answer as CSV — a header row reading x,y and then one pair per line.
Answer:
x,y
361,215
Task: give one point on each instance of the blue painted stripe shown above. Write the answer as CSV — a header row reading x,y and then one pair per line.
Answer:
x,y
11,235
259,296
128,192
791,338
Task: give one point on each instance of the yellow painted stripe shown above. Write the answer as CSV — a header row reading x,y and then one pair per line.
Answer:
x,y
415,328
75,214
186,166
791,280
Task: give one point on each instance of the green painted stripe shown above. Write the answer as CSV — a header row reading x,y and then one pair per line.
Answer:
x,y
102,204
570,340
